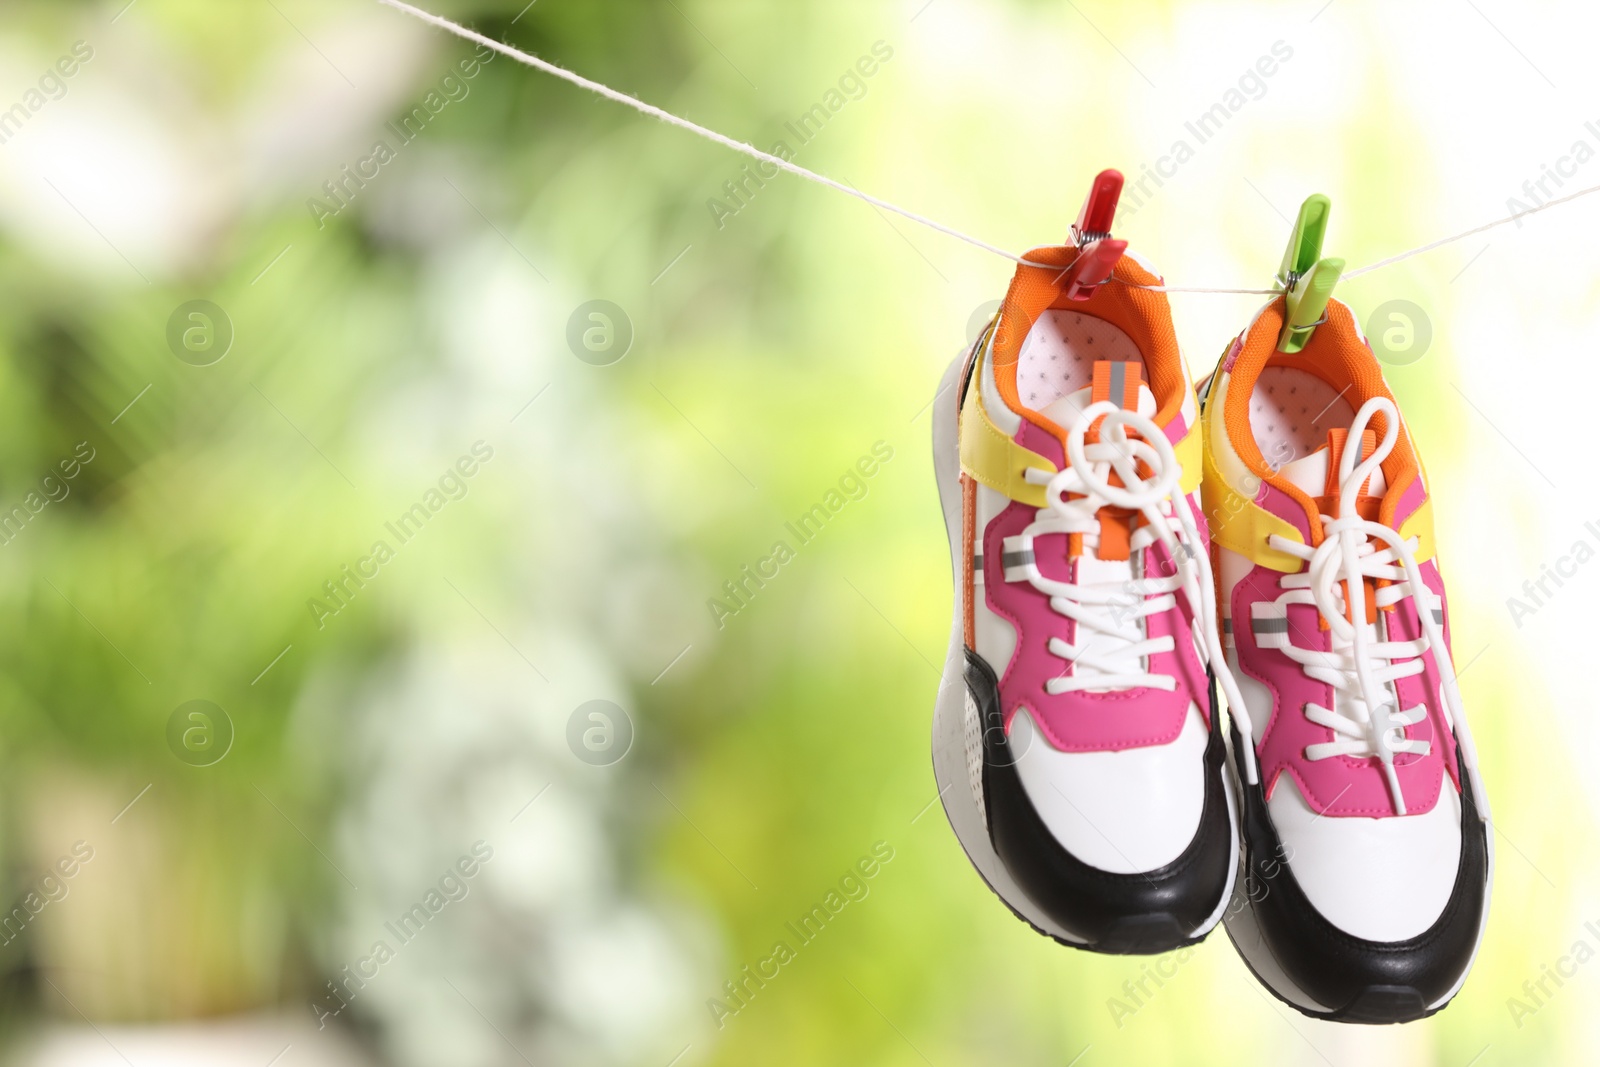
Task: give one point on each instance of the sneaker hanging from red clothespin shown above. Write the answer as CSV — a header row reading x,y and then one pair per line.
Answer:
x,y
1098,253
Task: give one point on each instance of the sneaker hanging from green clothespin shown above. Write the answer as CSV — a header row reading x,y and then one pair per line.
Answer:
x,y
1306,280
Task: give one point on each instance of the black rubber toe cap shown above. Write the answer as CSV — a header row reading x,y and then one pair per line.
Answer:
x,y
1356,979
1147,913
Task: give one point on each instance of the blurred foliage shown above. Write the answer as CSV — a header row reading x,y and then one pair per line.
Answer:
x,y
770,352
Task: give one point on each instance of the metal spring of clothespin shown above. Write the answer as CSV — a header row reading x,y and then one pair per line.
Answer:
x,y
1098,252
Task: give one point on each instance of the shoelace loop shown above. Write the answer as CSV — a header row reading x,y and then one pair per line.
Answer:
x,y
1073,498
1361,669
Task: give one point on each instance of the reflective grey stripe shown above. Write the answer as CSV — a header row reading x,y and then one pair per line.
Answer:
x,y
1269,626
1016,559
1227,626
1119,376
1438,616
977,563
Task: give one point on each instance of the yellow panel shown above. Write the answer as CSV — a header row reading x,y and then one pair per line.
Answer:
x,y
1243,526
992,458
1420,526
1190,451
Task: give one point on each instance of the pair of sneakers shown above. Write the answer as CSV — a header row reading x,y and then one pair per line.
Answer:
x,y
1121,547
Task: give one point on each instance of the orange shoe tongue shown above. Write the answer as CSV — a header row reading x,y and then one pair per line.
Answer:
x,y
1123,385
1120,383
1318,476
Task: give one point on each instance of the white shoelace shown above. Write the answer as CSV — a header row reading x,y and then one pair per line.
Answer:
x,y
1112,612
1362,669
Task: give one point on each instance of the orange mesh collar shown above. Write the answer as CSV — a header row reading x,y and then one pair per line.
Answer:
x,y
1336,354
1141,314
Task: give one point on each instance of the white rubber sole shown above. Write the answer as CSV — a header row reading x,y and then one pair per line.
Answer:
x,y
952,726
1244,930
955,726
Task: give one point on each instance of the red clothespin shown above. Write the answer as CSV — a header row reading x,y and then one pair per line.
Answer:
x,y
1098,253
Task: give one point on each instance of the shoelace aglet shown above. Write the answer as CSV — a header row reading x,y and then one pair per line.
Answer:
x,y
1394,785
1389,734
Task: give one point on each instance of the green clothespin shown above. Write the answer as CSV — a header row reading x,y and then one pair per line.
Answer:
x,y
1306,281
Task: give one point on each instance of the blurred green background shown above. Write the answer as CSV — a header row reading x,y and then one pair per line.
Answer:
x,y
399,508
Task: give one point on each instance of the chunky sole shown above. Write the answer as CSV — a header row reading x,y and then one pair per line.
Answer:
x,y
959,750
1375,1004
